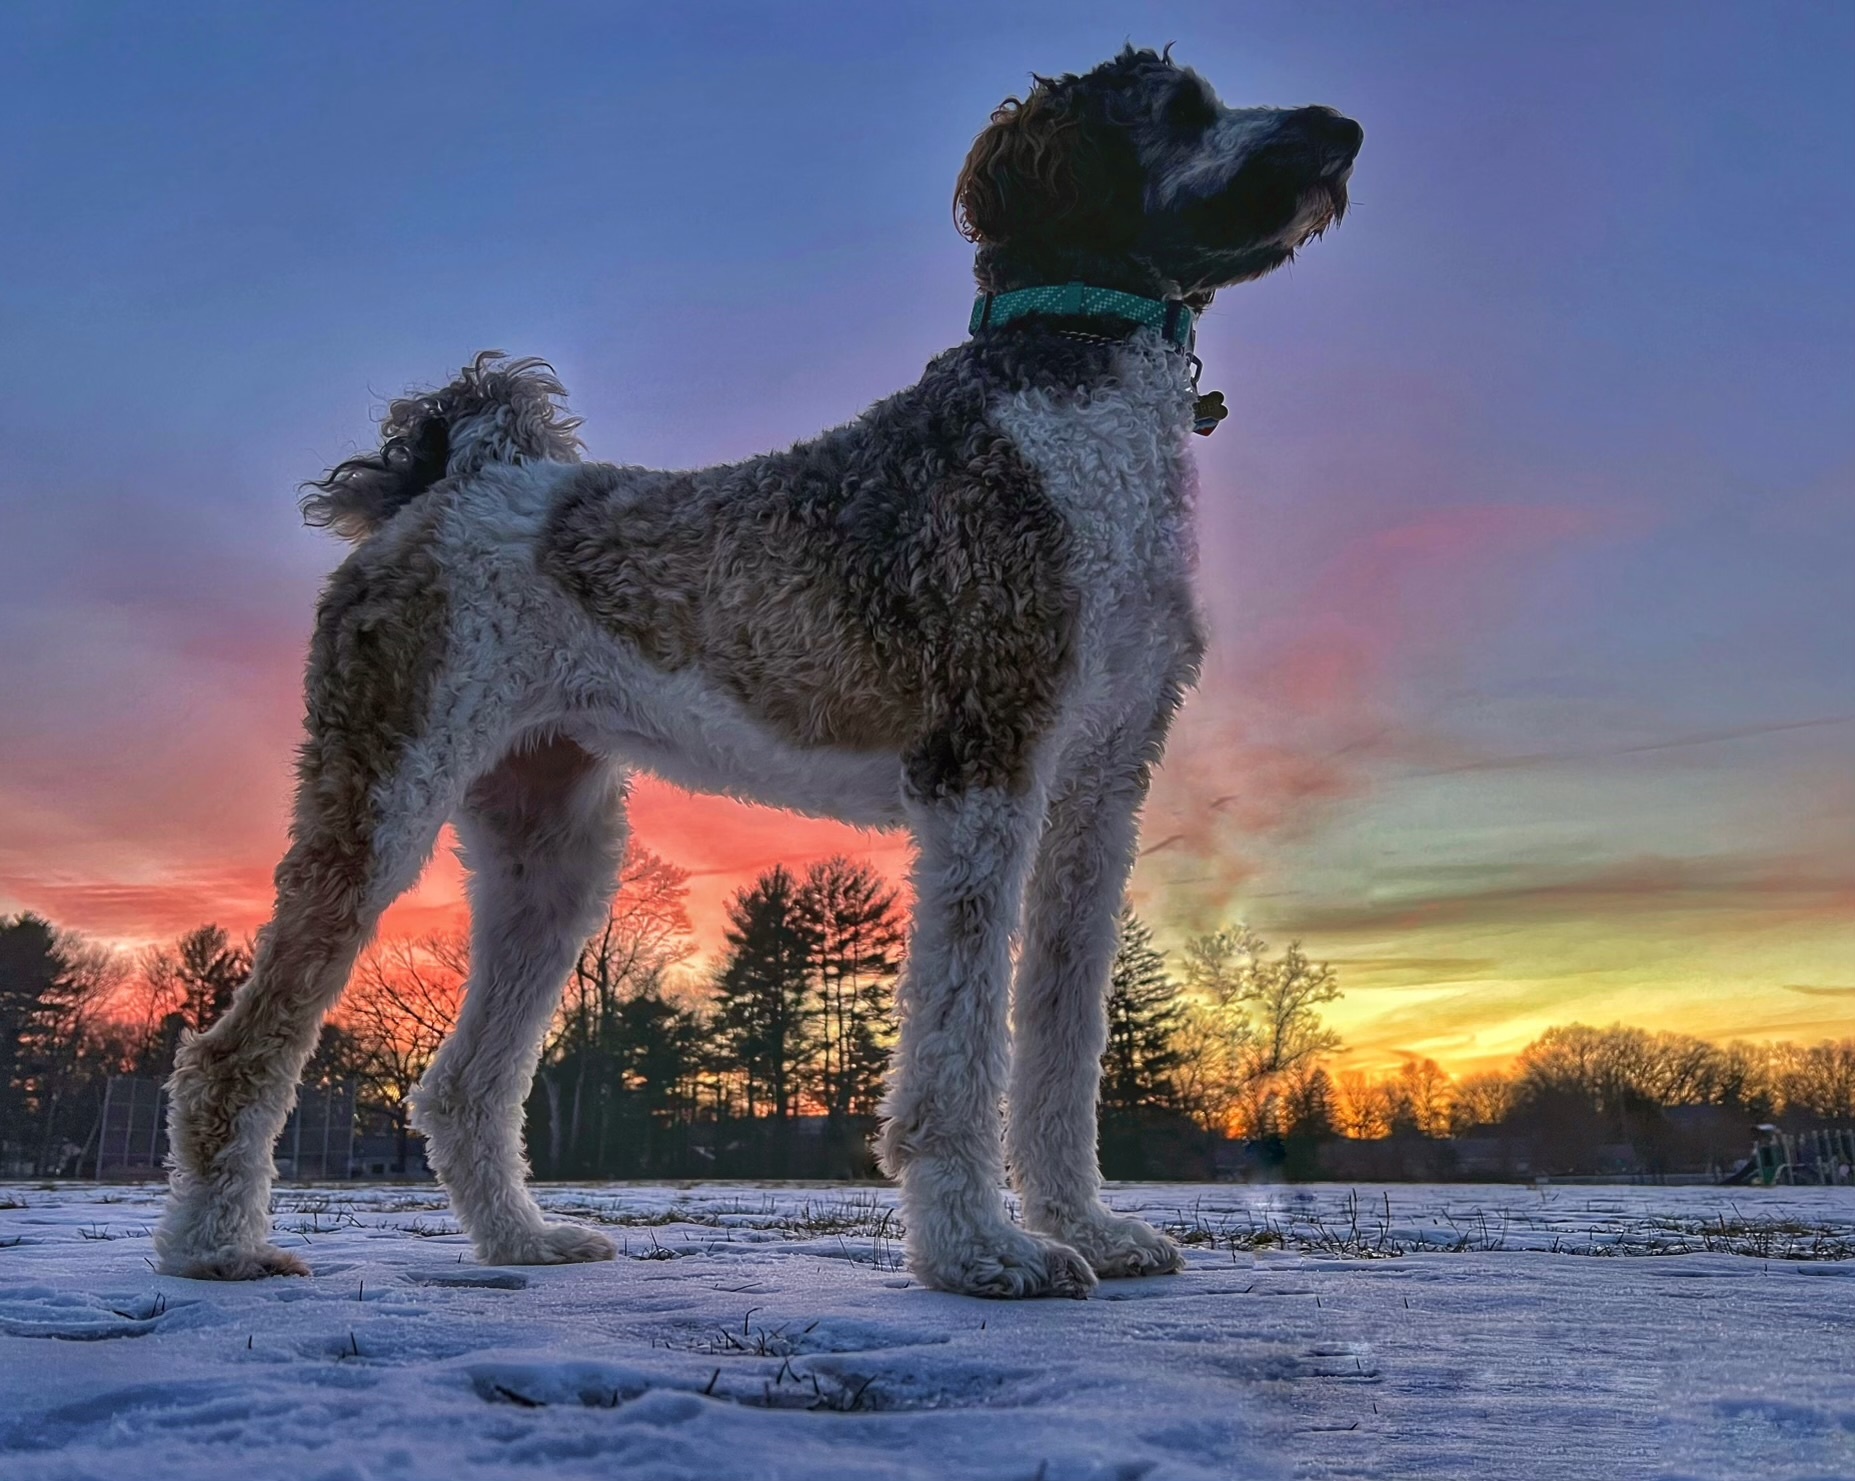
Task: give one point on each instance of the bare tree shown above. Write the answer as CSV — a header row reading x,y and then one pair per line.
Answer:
x,y
619,1035
1215,1038
1256,1021
1284,998
1206,1080
1366,1106
1425,1096
1747,1079
1818,1080
1482,1100
402,1003
646,935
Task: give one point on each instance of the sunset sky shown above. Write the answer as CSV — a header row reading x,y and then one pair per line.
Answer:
x,y
1529,544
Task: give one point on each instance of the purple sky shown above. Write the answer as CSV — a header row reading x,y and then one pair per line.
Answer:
x,y
1528,543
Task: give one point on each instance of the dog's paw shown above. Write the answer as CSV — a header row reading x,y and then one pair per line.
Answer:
x,y
233,1264
1004,1264
1117,1246
552,1244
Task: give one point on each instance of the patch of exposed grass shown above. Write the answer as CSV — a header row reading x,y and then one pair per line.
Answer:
x,y
1352,1233
1760,1239
1360,1232
753,1342
428,1229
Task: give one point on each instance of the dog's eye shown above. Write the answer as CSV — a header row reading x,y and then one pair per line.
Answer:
x,y
1190,109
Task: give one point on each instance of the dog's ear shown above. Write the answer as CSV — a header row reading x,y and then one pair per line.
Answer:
x,y
1050,168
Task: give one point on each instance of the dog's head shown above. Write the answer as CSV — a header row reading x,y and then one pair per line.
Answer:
x,y
1135,172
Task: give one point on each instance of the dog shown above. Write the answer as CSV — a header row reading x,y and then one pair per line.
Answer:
x,y
967,613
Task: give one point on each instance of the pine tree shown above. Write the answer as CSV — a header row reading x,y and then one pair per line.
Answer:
x,y
657,1044
35,998
760,993
1144,1018
196,977
854,936
1310,1105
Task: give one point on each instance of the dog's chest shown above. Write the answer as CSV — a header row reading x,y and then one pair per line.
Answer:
x,y
1115,460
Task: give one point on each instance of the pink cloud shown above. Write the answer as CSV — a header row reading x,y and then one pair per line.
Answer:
x,y
1300,700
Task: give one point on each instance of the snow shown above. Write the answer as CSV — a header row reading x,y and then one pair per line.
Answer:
x,y
770,1332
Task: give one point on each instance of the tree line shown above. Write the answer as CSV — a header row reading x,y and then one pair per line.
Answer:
x,y
770,1062
1585,1099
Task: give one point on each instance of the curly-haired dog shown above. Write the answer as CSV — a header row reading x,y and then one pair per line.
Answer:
x,y
967,612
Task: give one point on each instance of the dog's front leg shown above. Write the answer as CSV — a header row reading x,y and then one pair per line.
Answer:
x,y
1060,1019
942,1137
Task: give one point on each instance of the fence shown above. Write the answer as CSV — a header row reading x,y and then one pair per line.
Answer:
x,y
132,1128
317,1140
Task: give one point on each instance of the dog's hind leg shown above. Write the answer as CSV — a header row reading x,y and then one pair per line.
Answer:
x,y
368,810
543,833
1059,1009
942,1138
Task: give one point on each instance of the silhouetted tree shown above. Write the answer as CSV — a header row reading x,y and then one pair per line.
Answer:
x,y
1817,1081
1284,999
657,1051
1215,1034
1144,1018
1310,1104
760,992
591,1116
1254,1024
1307,1112
400,1007
197,975
1746,1080
852,932
57,1041
37,999
1422,1095
1365,1107
339,1058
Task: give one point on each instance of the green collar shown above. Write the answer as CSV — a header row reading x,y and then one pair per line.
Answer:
x,y
1172,318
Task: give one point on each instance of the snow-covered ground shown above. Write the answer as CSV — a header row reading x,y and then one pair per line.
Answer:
x,y
771,1332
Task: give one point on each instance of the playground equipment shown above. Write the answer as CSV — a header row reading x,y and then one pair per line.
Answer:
x,y
1819,1158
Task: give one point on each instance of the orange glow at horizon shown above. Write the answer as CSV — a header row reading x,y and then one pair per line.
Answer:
x,y
723,844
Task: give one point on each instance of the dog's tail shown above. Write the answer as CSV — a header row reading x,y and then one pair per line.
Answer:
x,y
496,411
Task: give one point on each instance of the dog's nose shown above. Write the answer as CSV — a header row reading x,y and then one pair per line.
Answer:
x,y
1334,133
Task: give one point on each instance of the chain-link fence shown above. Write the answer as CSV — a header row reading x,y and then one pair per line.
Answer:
x,y
317,1140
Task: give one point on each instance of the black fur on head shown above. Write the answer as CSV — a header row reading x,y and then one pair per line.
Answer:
x,y
1135,176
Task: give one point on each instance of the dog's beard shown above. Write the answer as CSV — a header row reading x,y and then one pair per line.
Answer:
x,y
1323,204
